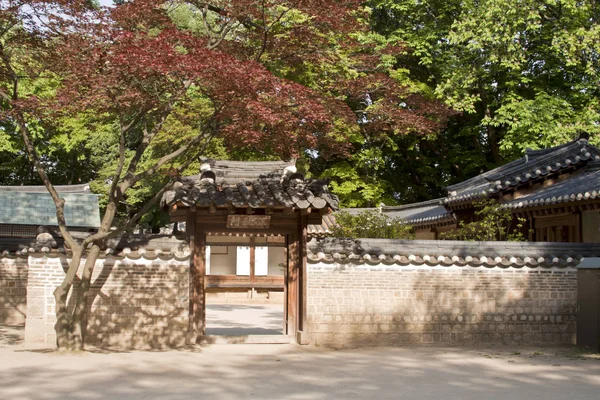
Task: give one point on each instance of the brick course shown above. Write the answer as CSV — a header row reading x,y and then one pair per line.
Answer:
x,y
140,299
133,303
13,291
353,305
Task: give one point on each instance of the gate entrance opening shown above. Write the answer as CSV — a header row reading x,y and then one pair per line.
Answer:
x,y
258,211
245,287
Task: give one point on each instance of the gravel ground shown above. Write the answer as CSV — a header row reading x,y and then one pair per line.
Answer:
x,y
301,372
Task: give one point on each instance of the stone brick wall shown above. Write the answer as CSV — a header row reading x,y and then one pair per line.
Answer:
x,y
134,303
143,304
363,292
365,304
13,290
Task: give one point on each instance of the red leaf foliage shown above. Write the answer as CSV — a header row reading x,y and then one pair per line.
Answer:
x,y
132,59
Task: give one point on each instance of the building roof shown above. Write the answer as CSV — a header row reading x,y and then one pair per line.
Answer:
x,y
363,253
534,165
390,252
426,212
324,229
580,186
82,188
262,187
416,214
577,163
244,171
24,207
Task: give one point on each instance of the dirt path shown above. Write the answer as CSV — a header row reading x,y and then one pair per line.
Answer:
x,y
295,372
244,319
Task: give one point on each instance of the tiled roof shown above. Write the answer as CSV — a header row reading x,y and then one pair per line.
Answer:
x,y
242,171
582,185
324,229
83,188
535,164
449,253
425,212
366,253
260,193
37,208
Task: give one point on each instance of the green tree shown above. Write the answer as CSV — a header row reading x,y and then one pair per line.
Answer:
x,y
370,224
520,73
492,222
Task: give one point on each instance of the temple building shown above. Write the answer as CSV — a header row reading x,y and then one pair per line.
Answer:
x,y
556,191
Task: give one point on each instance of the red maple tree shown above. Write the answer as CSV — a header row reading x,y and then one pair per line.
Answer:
x,y
135,65
132,63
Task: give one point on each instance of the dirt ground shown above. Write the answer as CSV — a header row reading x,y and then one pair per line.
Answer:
x,y
244,319
245,371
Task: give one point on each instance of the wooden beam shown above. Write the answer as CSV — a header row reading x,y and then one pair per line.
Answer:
x,y
252,258
305,211
236,281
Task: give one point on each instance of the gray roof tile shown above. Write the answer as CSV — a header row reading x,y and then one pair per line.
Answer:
x,y
536,164
33,208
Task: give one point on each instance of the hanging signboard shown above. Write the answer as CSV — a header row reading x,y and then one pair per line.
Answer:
x,y
249,221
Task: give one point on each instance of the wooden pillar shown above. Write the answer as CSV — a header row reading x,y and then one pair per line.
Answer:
x,y
578,227
200,282
190,230
292,284
531,230
252,259
571,238
285,286
197,306
559,234
303,237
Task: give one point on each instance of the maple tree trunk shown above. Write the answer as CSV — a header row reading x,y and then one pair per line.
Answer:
x,y
80,312
62,318
70,324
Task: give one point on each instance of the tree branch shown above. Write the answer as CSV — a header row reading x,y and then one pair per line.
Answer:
x,y
32,153
139,152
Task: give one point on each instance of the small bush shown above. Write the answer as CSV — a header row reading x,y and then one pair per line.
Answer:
x,y
371,224
493,224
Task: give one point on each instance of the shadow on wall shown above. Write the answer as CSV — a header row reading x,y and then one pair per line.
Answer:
x,y
398,305
138,305
13,291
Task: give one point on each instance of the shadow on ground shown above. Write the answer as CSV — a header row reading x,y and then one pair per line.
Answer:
x,y
294,372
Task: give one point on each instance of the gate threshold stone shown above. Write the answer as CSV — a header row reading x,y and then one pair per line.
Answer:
x,y
246,339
